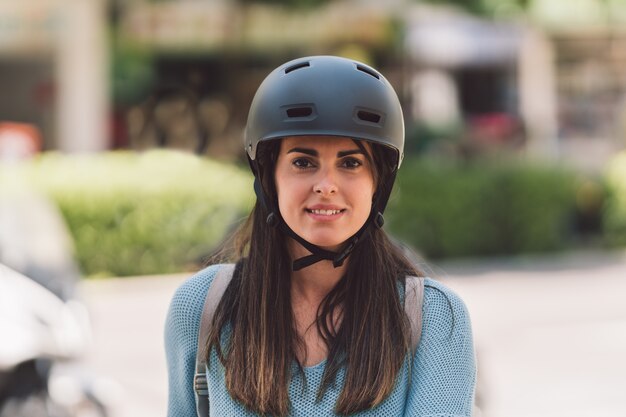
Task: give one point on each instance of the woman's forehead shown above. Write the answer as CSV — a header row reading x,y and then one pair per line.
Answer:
x,y
315,142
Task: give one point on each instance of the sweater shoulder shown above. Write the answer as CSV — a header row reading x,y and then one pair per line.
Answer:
x,y
444,367
444,311
181,340
437,294
185,310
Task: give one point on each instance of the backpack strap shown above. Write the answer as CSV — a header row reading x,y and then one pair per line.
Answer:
x,y
213,297
413,302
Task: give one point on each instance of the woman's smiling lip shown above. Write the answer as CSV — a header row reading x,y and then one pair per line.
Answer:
x,y
324,212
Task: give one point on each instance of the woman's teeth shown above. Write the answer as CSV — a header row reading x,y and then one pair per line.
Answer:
x,y
325,212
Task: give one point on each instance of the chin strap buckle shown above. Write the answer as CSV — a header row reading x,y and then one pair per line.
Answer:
x,y
338,261
379,220
272,220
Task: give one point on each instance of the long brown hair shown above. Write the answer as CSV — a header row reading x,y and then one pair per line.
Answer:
x,y
371,341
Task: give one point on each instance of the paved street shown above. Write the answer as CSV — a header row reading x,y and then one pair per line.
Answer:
x,y
550,335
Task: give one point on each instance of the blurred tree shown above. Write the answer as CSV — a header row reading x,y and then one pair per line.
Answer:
x,y
487,7
302,4
288,3
132,67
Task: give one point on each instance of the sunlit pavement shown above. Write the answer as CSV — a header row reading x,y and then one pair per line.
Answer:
x,y
550,334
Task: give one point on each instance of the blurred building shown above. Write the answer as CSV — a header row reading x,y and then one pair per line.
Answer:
x,y
489,84
207,59
183,72
486,84
53,71
589,41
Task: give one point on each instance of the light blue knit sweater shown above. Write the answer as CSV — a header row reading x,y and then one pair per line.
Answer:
x,y
443,372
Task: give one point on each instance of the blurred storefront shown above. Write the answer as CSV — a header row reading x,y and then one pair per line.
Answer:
x,y
207,59
492,84
53,71
589,42
183,72
591,74
489,83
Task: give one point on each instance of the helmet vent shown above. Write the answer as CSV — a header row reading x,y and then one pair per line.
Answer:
x,y
299,112
368,116
297,66
368,71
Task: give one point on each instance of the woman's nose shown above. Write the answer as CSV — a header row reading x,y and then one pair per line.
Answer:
x,y
326,184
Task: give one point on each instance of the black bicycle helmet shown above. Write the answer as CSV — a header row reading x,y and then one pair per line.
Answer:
x,y
331,96
325,95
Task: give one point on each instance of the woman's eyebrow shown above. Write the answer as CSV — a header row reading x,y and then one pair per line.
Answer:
x,y
306,151
313,152
341,154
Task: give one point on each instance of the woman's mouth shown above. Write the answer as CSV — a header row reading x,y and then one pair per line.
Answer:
x,y
321,212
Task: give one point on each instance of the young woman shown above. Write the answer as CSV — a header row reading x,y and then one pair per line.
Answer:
x,y
313,321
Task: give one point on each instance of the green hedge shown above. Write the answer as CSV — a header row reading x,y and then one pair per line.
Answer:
x,y
162,211
615,210
446,209
149,213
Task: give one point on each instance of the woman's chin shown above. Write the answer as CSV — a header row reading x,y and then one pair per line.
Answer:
x,y
332,248
328,244
331,245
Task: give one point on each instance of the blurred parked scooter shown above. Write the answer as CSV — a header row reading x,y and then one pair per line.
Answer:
x,y
42,325
37,329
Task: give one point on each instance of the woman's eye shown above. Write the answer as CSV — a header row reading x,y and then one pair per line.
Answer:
x,y
302,163
351,163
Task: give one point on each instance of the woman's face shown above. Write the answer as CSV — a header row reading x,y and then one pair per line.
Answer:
x,y
325,186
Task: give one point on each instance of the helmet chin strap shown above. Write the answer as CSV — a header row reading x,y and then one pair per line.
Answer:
x,y
317,253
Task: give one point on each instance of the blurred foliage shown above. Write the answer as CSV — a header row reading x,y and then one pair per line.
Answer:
x,y
163,211
297,4
448,209
133,73
287,3
421,138
592,195
497,8
615,210
151,213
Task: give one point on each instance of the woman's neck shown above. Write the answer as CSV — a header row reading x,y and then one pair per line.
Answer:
x,y
314,282
309,286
